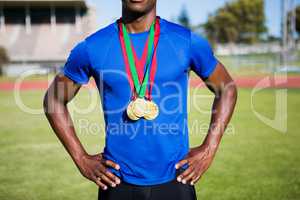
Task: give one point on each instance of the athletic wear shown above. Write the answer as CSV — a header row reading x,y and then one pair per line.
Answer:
x,y
172,190
146,151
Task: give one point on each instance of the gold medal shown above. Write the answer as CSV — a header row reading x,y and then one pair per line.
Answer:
x,y
139,107
152,111
130,113
140,81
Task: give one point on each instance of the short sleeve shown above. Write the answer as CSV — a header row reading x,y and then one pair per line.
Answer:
x,y
77,67
203,61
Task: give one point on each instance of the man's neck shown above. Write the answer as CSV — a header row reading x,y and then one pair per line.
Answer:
x,y
138,23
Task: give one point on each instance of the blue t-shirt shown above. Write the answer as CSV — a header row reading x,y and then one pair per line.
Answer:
x,y
146,151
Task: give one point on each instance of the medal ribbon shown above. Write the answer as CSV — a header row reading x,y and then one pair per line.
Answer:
x,y
139,79
140,62
139,88
154,59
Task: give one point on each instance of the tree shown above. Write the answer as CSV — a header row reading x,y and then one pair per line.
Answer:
x,y
183,18
238,21
297,20
3,58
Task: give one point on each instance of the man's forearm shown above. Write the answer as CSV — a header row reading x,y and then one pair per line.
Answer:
x,y
92,167
222,110
200,158
61,123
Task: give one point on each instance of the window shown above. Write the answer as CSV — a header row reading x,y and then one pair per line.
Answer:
x,y
14,15
40,15
65,15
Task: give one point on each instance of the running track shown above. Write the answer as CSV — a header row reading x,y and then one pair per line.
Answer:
x,y
242,82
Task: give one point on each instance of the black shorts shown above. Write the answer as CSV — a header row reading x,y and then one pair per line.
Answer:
x,y
168,191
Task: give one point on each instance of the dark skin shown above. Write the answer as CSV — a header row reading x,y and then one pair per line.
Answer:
x,y
93,167
138,16
200,158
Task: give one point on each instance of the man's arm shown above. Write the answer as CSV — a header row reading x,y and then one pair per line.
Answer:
x,y
94,168
200,158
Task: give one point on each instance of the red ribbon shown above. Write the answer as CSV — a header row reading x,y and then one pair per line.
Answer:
x,y
140,64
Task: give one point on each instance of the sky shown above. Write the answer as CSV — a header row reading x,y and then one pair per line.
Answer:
x,y
198,10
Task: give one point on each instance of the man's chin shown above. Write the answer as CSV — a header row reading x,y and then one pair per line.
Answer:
x,y
137,6
137,1
138,9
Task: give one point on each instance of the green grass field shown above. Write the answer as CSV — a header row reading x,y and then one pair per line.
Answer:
x,y
253,162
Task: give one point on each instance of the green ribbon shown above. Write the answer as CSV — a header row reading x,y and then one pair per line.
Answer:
x,y
139,88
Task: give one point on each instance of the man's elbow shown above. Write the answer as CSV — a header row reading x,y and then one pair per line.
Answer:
x,y
232,91
46,104
49,103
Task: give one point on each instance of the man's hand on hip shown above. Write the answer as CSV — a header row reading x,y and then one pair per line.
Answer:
x,y
95,169
198,160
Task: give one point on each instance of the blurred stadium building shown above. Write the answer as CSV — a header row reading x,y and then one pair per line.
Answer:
x,y
38,34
